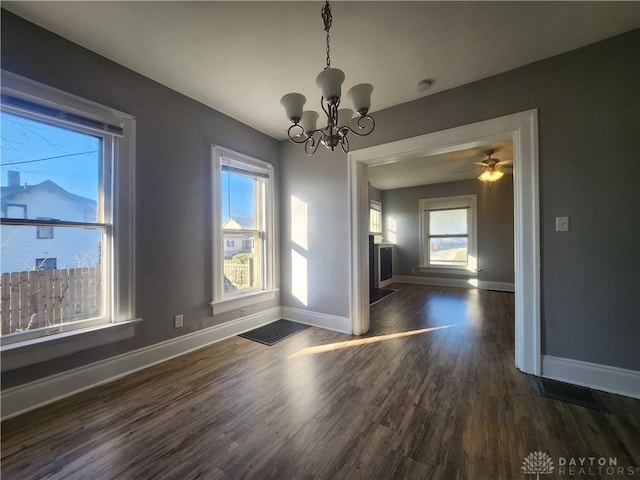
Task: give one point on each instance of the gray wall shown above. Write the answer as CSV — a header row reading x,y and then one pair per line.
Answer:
x,y
589,118
319,182
173,191
374,193
495,225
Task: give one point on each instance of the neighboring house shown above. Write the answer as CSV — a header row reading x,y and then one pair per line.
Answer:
x,y
46,247
234,245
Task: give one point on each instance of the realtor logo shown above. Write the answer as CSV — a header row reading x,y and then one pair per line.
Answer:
x,y
537,463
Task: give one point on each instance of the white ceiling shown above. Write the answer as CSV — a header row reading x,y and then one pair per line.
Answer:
x,y
442,168
241,57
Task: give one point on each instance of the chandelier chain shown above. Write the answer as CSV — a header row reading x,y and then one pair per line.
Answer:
x,y
328,51
327,19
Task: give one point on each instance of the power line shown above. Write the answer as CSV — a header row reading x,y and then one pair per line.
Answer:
x,y
50,158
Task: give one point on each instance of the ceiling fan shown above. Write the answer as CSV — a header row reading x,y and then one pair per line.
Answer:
x,y
492,167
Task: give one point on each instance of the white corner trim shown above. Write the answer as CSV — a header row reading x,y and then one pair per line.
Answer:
x,y
455,282
35,394
316,319
599,377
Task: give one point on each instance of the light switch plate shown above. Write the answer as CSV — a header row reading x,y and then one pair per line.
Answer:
x,y
562,224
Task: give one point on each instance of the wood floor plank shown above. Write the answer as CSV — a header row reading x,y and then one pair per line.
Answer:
x,y
431,392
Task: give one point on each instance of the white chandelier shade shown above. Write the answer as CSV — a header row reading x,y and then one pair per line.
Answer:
x,y
293,104
360,96
309,121
330,82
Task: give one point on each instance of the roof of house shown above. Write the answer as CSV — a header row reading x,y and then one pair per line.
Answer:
x,y
10,193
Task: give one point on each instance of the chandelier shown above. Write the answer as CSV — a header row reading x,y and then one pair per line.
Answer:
x,y
339,120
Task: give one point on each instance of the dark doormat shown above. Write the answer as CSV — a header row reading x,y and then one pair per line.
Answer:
x,y
565,392
274,332
377,294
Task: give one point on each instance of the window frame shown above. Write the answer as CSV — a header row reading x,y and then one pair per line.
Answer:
x,y
468,202
221,301
375,206
40,229
119,210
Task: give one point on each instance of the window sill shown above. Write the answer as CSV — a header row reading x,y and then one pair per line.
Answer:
x,y
462,271
37,350
242,301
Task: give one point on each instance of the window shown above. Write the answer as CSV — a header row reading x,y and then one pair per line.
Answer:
x,y
13,210
62,157
243,226
375,217
448,230
46,263
44,232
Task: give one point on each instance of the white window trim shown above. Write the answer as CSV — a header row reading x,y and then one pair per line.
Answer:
x,y
224,303
459,201
120,320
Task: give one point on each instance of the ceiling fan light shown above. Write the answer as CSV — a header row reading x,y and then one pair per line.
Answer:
x,y
490,176
330,82
360,95
293,103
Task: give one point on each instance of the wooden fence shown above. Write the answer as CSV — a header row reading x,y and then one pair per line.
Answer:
x,y
44,298
239,274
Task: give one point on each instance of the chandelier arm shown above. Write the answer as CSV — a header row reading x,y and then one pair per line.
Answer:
x,y
324,109
367,128
344,143
302,137
312,143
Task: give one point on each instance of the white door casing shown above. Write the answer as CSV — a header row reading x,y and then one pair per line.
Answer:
x,y
522,130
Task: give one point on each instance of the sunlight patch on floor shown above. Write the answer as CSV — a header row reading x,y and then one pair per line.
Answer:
x,y
330,347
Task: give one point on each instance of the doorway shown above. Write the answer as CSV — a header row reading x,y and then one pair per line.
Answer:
x,y
521,130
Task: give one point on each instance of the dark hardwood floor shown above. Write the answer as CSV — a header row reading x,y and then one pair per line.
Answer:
x,y
430,393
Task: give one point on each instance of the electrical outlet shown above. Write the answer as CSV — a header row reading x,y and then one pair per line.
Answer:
x,y
243,312
562,224
178,321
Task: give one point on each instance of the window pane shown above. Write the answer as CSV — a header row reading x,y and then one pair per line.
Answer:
x,y
48,282
448,251
375,221
242,261
448,222
240,207
48,171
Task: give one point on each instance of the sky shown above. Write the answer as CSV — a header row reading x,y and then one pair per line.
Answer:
x,y
241,199
40,152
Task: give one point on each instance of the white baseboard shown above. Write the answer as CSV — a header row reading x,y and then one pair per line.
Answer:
x,y
316,319
599,377
29,396
455,282
500,286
